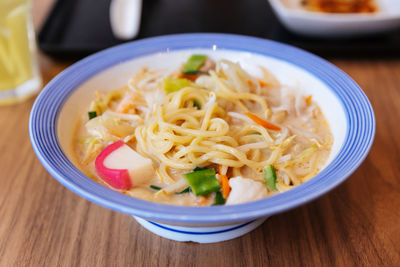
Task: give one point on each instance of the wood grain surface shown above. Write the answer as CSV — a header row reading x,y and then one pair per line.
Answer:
x,y
357,224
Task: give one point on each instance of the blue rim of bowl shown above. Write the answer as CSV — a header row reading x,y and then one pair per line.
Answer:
x,y
47,107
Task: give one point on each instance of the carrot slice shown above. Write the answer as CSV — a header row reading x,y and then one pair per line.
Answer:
x,y
220,169
190,77
262,122
308,99
263,83
226,189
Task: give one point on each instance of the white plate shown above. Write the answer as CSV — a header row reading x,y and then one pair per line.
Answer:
x,y
318,24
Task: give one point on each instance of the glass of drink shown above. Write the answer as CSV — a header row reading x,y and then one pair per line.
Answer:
x,y
19,74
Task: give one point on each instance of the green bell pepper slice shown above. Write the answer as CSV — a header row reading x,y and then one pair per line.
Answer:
x,y
175,84
219,199
203,182
193,64
270,177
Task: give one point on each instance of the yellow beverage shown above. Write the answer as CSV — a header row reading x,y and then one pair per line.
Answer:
x,y
18,69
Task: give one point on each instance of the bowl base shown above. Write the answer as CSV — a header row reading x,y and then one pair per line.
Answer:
x,y
200,234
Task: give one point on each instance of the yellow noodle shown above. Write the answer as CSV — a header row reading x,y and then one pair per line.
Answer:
x,y
178,136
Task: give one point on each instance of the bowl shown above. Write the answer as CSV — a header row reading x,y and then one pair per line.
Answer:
x,y
333,25
345,106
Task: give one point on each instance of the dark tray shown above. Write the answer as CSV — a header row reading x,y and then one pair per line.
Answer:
x,y
76,28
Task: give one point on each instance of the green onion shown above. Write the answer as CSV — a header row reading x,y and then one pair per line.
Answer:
x,y
92,114
219,199
186,190
196,104
270,177
175,84
198,169
155,187
193,64
203,182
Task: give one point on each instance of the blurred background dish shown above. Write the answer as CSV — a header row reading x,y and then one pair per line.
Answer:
x,y
311,18
70,32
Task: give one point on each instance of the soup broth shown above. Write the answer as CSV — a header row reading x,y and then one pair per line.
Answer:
x,y
206,134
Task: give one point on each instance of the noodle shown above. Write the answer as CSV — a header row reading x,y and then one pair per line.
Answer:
x,y
204,125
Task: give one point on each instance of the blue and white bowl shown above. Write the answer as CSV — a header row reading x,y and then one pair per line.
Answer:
x,y
345,106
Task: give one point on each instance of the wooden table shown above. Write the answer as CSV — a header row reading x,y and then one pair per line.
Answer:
x,y
357,224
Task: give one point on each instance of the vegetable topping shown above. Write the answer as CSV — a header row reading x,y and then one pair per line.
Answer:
x,y
226,189
92,114
270,177
262,122
219,199
193,64
202,182
175,84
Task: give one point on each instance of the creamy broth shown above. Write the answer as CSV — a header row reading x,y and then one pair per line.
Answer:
x,y
215,121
